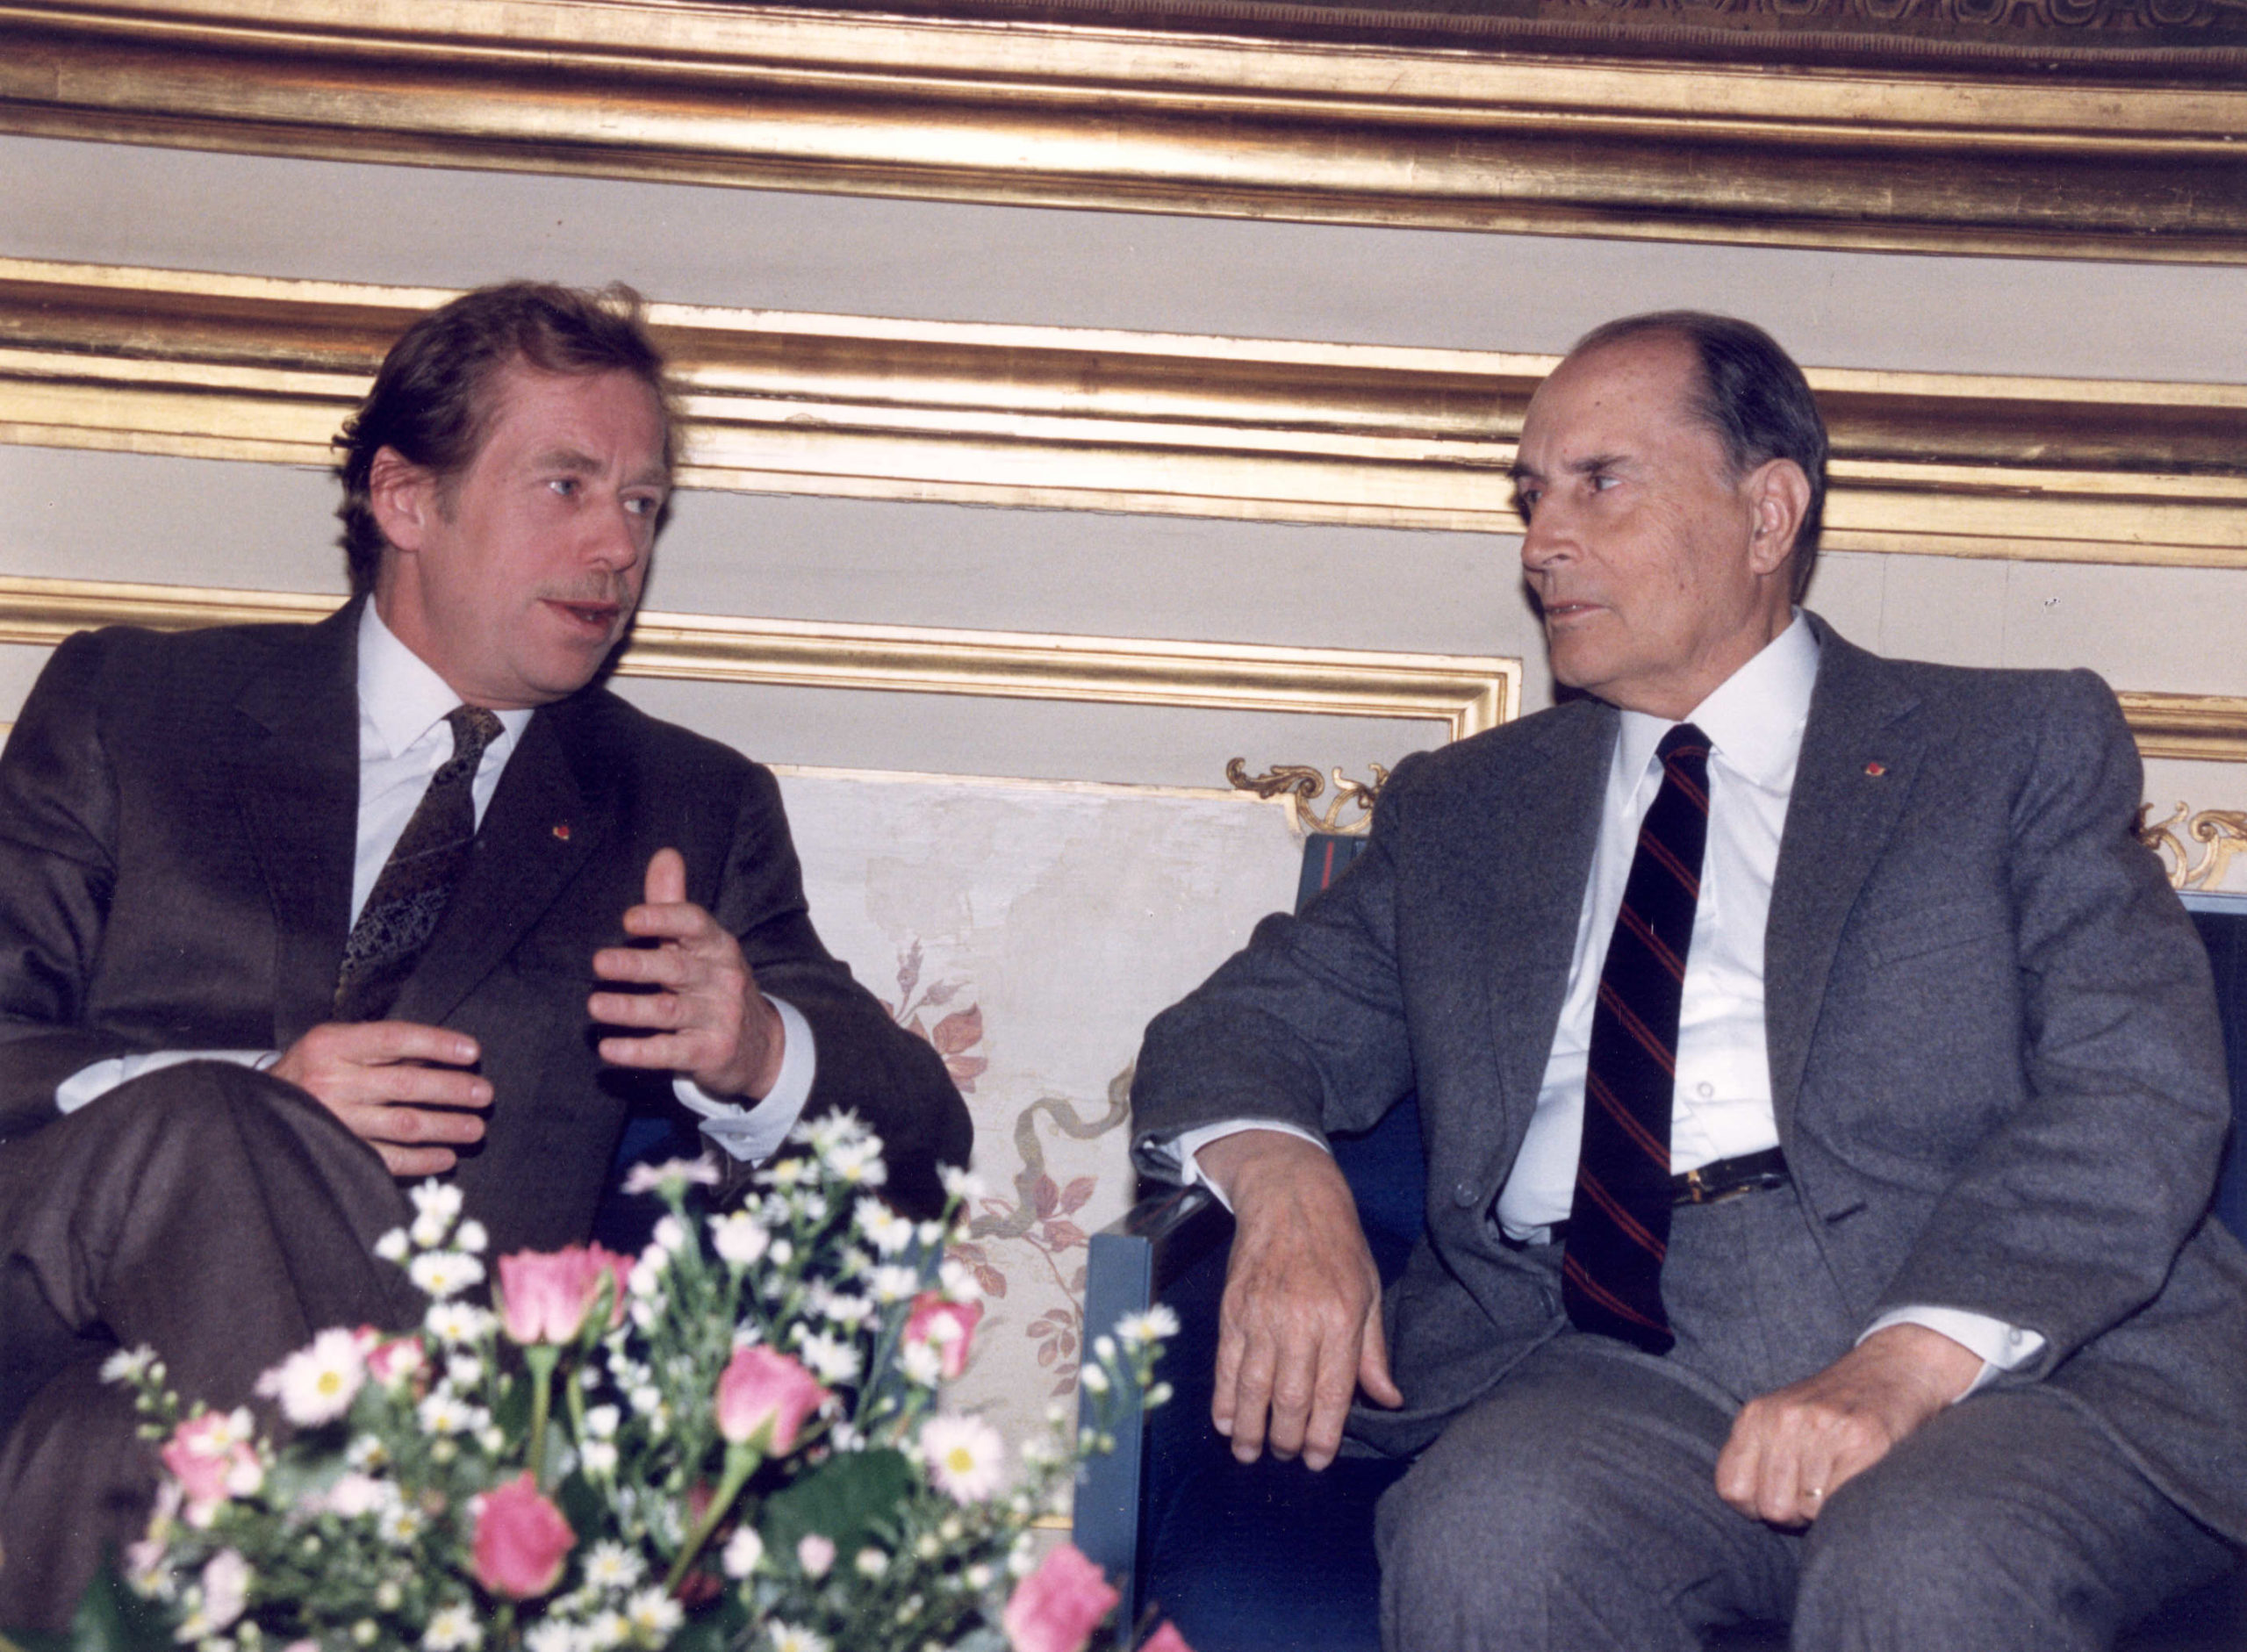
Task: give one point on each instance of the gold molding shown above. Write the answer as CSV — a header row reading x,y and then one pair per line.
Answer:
x,y
252,368
2222,831
1297,785
2202,728
1465,693
1941,159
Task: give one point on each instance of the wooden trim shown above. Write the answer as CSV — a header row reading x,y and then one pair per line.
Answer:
x,y
2058,162
2203,728
1954,464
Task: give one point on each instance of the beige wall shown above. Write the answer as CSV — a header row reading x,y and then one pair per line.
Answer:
x,y
210,523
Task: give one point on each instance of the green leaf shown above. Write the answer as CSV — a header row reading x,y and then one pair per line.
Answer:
x,y
111,1618
841,1500
715,1630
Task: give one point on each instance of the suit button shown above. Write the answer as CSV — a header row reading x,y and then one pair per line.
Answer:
x,y
1464,1194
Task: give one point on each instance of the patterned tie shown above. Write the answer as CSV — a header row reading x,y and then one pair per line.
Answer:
x,y
409,897
1618,1225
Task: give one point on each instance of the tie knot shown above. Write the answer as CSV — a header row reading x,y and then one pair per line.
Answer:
x,y
1685,742
474,728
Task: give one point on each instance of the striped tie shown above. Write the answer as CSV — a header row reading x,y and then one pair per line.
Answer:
x,y
1618,1225
416,882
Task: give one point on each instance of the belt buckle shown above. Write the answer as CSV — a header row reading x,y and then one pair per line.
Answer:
x,y
1696,1192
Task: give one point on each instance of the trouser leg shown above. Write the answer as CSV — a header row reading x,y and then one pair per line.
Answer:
x,y
214,1213
1574,1509
2010,1521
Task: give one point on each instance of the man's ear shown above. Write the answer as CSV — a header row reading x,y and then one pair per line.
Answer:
x,y
1778,496
404,498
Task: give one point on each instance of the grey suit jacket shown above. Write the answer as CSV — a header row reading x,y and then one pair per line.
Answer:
x,y
1995,1061
178,819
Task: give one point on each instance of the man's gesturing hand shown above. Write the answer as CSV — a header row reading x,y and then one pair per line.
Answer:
x,y
1791,1450
1299,1331
395,1086
707,1021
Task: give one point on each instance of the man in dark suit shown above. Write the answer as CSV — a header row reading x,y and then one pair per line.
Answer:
x,y
1821,1094
287,912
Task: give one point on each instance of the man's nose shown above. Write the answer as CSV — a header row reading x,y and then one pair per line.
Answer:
x,y
619,539
1545,539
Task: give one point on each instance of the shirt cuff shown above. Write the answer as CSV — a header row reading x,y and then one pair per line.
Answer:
x,y
755,1132
2003,1347
1176,1153
91,1083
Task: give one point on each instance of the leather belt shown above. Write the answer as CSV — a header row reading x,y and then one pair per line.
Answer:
x,y
1714,1182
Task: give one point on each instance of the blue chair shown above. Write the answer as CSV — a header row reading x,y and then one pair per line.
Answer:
x,y
1270,1557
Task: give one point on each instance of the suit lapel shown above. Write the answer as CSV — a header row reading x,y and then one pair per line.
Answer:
x,y
1860,754
295,762
1549,809
538,831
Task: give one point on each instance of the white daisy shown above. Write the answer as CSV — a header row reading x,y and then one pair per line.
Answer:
x,y
922,1363
740,1239
442,1273
885,1230
743,1552
613,1566
964,1457
472,1236
128,1365
673,1175
1135,1330
599,1458
316,1385
456,1322
601,1421
831,1360
391,1247
445,1413
653,1616
892,1283
785,1637
452,1628
961,1184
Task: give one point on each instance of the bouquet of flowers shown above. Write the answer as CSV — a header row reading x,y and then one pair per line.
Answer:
x,y
733,1443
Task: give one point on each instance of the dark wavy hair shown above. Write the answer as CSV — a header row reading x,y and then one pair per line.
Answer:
x,y
1752,396
433,398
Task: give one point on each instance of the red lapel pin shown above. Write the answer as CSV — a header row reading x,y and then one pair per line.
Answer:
x,y
1875,769
562,830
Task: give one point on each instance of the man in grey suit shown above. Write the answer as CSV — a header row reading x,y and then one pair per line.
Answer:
x,y
289,911
1889,1302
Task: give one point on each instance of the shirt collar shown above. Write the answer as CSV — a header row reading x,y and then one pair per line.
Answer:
x,y
401,697
1755,719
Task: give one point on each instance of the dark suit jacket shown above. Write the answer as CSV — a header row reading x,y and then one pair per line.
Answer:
x,y
178,817
1995,1062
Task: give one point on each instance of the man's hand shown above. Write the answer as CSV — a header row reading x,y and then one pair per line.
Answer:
x,y
1791,1450
1299,1331
395,1086
708,1021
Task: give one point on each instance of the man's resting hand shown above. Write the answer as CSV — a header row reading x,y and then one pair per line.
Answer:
x,y
707,1020
1299,1331
1791,1450
396,1087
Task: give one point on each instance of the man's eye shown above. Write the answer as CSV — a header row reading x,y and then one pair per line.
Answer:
x,y
565,485
1601,482
1525,502
642,504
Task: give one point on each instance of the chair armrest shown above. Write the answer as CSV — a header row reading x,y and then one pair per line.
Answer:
x,y
1132,1261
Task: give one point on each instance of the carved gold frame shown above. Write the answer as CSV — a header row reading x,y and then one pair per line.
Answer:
x,y
252,368
1934,160
1465,694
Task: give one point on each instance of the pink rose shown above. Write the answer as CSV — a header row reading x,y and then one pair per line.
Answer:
x,y
521,1539
545,1295
211,1456
1165,1639
1058,1606
947,1326
763,1390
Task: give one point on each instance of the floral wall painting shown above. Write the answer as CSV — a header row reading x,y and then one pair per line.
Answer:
x,y
1028,931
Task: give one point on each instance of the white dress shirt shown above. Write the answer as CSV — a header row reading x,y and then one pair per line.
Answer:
x,y
1754,722
404,739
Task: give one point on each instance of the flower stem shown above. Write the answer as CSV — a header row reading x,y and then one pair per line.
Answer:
x,y
741,1462
540,1357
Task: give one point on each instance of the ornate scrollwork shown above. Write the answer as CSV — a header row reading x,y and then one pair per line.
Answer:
x,y
1297,784
2222,831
